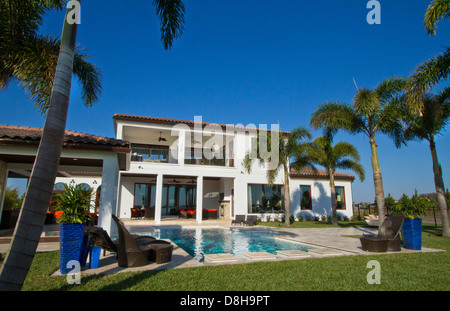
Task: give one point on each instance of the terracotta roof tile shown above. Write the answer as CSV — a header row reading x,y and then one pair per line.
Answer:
x,y
309,172
33,134
129,117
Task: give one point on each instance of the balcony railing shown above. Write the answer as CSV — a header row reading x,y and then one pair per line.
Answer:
x,y
162,154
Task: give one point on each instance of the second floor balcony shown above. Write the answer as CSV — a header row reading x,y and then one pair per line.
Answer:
x,y
192,156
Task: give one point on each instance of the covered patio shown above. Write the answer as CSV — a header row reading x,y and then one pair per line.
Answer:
x,y
82,154
161,197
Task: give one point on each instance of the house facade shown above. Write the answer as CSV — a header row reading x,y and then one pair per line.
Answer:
x,y
172,168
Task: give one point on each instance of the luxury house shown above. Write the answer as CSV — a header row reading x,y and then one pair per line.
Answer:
x,y
159,167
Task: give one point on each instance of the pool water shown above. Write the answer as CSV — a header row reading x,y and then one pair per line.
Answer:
x,y
200,241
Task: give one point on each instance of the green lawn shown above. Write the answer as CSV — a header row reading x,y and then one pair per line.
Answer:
x,y
406,272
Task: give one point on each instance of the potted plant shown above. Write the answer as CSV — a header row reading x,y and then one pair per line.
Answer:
x,y
412,210
75,204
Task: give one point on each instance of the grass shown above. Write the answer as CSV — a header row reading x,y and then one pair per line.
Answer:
x,y
399,272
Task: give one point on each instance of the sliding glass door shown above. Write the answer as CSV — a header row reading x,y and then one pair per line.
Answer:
x,y
174,197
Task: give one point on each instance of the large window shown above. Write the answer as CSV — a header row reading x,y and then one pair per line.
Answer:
x,y
305,198
149,153
340,198
265,199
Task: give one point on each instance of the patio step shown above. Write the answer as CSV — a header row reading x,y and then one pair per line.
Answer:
x,y
294,254
220,258
325,252
259,256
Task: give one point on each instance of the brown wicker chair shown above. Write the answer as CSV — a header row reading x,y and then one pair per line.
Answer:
x,y
239,219
388,237
101,238
132,251
250,221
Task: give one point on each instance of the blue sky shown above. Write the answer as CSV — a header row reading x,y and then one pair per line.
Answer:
x,y
248,61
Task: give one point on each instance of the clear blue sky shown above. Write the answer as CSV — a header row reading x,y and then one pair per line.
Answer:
x,y
251,61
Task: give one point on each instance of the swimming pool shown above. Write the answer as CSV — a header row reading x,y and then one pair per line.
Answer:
x,y
198,242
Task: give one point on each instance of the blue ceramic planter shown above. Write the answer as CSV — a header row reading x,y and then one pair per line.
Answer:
x,y
70,241
94,257
412,233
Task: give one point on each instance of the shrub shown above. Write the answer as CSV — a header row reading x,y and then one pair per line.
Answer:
x,y
413,207
75,204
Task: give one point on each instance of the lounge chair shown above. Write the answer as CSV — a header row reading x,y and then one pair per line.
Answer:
x,y
132,251
388,237
239,219
101,238
372,220
183,214
250,221
149,213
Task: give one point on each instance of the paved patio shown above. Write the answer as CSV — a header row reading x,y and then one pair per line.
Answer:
x,y
322,242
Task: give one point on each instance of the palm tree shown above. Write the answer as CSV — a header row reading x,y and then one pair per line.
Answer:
x,y
38,195
373,111
342,155
426,126
290,145
438,9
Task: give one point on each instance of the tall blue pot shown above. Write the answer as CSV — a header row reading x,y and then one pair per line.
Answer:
x,y
412,233
70,241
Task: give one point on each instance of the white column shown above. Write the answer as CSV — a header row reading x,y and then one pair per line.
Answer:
x,y
158,199
108,193
181,147
199,199
3,185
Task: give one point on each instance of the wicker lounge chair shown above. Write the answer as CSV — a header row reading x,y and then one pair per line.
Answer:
x,y
251,220
132,251
149,213
371,220
239,219
388,237
101,238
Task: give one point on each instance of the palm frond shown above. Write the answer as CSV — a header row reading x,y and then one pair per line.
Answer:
x,y
171,17
390,121
389,88
355,166
345,149
34,66
438,9
337,115
425,77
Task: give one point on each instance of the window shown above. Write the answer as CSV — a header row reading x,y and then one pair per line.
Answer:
x,y
305,198
173,197
149,153
143,195
265,199
84,186
59,187
340,198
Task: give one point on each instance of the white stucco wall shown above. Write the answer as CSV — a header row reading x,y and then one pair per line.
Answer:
x,y
321,197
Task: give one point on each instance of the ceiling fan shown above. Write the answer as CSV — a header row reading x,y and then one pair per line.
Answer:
x,y
161,138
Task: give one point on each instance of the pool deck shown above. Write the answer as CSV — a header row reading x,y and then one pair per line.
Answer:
x,y
323,242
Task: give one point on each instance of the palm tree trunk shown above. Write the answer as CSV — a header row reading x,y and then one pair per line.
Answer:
x,y
378,182
333,196
38,195
287,198
440,190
